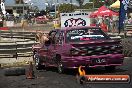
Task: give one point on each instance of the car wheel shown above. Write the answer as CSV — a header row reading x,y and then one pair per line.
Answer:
x,y
14,71
60,68
110,68
38,63
59,65
34,55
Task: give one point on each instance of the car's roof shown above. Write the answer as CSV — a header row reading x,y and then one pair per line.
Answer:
x,y
77,27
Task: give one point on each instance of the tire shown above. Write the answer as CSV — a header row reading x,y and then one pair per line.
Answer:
x,y
14,71
59,64
110,68
38,63
60,68
34,54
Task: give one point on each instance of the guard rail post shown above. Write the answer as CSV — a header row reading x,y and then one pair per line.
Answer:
x,y
11,34
0,35
16,51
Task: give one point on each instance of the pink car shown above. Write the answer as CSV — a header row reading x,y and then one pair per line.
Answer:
x,y
42,19
74,46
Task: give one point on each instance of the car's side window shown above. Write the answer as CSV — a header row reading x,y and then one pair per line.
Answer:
x,y
56,37
52,37
60,39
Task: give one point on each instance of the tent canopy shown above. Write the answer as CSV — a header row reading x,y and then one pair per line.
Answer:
x,y
103,12
116,4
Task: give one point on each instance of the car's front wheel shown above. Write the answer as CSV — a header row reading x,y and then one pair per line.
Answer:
x,y
59,64
60,68
34,54
38,63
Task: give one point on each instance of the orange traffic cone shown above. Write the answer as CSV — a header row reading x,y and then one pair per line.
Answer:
x,y
30,73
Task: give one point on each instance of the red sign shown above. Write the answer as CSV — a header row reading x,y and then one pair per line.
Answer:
x,y
4,28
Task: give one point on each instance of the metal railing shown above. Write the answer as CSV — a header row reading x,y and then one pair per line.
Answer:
x,y
15,45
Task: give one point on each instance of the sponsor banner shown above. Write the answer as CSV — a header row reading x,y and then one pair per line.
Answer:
x,y
122,13
9,23
3,7
75,19
107,78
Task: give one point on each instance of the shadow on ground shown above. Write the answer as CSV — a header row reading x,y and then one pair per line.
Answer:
x,y
73,72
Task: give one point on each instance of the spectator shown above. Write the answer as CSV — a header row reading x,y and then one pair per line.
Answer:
x,y
116,24
44,38
98,21
111,24
107,22
103,26
130,20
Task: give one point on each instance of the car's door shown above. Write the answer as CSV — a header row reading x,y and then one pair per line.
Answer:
x,y
59,42
51,47
58,46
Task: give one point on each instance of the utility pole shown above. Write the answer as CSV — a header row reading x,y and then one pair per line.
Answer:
x,y
23,8
71,5
93,4
55,8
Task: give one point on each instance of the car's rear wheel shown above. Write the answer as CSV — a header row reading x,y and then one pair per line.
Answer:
x,y
110,68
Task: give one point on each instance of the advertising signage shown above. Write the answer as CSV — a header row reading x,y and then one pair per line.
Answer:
x,y
75,19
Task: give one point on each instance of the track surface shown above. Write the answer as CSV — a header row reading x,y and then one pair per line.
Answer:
x,y
51,79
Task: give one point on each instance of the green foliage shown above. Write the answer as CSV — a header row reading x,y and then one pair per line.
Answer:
x,y
67,8
98,3
71,8
35,9
88,6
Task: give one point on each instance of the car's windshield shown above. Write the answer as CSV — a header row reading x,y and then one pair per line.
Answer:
x,y
85,34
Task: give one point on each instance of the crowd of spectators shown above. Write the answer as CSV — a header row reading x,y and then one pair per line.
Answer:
x,y
107,24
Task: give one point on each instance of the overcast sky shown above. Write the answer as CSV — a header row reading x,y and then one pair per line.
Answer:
x,y
41,3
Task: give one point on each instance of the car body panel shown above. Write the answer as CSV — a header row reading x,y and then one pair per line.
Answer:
x,y
92,53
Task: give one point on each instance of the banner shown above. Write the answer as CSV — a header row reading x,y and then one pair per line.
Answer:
x,y
3,7
122,13
75,19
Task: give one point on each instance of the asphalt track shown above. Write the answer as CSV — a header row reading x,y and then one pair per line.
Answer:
x,y
51,79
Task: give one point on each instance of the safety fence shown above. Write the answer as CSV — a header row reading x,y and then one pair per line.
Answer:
x,y
14,44
16,49
21,44
43,27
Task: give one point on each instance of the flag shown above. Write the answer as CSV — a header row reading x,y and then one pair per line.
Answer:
x,y
3,8
122,13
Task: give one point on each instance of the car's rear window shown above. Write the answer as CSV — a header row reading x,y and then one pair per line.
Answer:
x,y
85,34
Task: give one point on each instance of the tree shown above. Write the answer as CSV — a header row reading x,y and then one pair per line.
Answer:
x,y
67,8
99,3
35,9
19,1
80,2
88,6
